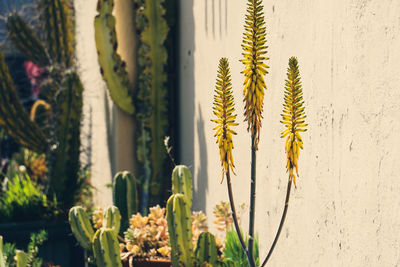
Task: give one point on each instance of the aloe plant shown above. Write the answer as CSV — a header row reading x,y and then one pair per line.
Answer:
x,y
254,52
59,138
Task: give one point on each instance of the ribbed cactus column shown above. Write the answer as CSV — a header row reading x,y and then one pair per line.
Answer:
x,y
125,196
106,248
81,227
206,249
180,230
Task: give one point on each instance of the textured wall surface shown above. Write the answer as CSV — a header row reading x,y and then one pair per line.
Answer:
x,y
346,208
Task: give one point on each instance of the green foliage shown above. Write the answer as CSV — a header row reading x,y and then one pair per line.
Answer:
x,y
112,67
24,200
125,196
233,252
11,257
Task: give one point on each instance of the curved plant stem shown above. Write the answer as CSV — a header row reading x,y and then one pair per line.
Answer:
x,y
234,215
281,223
252,199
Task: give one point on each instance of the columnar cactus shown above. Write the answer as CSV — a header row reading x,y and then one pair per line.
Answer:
x,y
206,249
81,227
106,248
112,67
179,219
125,196
182,182
103,243
180,230
150,106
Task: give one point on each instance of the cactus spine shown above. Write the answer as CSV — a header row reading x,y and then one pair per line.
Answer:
x,y
106,248
81,227
125,196
180,230
206,249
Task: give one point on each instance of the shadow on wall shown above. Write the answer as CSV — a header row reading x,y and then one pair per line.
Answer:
x,y
216,17
202,177
186,83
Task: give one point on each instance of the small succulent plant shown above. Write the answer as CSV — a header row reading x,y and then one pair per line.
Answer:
x,y
147,236
223,216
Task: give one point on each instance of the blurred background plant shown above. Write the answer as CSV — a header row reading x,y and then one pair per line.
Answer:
x,y
41,100
12,257
22,199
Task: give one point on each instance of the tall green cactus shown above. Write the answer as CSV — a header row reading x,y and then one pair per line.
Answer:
x,y
182,182
179,220
106,248
104,243
111,65
152,104
60,138
2,258
22,259
81,227
206,249
125,196
180,230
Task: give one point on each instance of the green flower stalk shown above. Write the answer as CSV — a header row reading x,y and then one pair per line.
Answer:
x,y
254,50
293,117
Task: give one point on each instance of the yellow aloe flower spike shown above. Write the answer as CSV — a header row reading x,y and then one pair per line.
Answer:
x,y
224,109
254,50
293,117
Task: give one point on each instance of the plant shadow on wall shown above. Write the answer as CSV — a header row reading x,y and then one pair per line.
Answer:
x,y
254,87
202,177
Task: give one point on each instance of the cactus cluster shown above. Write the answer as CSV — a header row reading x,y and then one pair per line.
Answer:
x,y
149,104
60,89
104,242
180,225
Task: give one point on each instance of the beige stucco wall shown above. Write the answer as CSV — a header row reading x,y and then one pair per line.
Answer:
x,y
346,208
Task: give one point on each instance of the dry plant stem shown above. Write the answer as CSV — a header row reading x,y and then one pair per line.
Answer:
x,y
281,223
252,199
234,215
